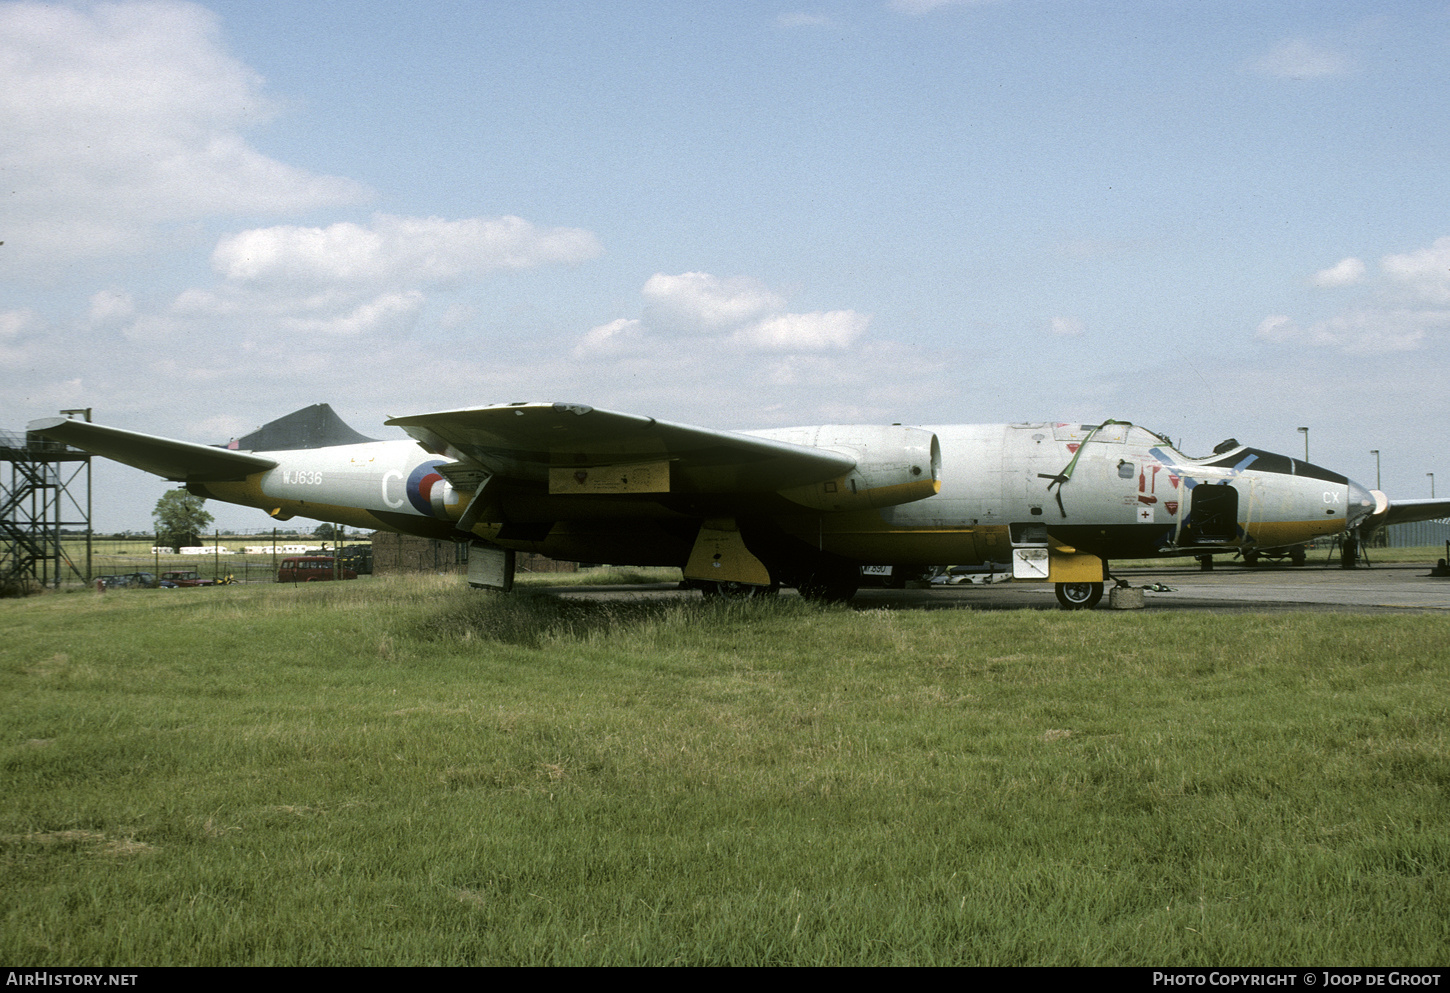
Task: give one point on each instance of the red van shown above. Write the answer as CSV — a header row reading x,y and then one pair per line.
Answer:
x,y
311,569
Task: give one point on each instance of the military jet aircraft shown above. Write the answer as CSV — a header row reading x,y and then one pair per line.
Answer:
x,y
746,511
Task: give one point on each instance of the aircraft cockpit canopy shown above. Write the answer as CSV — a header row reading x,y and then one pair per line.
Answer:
x,y
1241,458
1109,432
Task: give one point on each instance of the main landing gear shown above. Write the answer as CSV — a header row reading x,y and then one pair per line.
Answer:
x,y
1084,596
737,591
1079,596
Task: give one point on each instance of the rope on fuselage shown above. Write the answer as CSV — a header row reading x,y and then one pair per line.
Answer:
x,y
1062,477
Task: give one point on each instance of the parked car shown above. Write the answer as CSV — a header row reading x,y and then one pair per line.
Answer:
x,y
128,580
185,577
893,577
358,558
311,569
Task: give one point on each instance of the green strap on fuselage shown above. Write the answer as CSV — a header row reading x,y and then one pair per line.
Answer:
x,y
1066,473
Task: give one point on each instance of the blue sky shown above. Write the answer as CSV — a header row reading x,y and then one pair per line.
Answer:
x,y
1212,218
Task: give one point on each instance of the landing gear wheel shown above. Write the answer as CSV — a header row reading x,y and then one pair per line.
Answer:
x,y
737,591
1079,596
1251,558
1297,555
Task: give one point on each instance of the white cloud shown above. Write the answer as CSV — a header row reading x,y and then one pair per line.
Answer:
x,y
1278,327
1066,327
1359,332
1300,59
390,312
739,313
346,280
14,323
1406,306
428,250
1426,273
724,386
625,335
805,332
122,117
703,338
1344,273
698,301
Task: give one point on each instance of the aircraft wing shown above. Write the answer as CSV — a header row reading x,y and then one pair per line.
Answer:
x,y
1409,511
177,460
528,441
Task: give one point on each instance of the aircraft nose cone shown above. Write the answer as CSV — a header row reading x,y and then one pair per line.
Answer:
x,y
1361,504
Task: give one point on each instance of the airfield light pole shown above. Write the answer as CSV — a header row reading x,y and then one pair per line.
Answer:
x,y
1305,433
1432,484
1376,453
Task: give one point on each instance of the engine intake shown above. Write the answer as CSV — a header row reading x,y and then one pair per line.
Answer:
x,y
894,465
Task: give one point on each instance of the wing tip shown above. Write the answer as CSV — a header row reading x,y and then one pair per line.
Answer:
x,y
46,424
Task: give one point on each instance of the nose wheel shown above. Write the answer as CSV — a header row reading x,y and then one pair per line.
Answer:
x,y
1079,596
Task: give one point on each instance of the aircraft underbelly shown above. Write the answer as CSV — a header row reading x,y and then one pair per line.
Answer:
x,y
916,547
641,542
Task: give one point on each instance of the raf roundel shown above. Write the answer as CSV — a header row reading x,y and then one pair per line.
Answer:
x,y
420,486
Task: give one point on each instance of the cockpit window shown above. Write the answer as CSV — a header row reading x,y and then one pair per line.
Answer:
x,y
1253,458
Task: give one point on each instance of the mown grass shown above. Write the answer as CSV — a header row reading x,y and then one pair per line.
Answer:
x,y
404,772
607,575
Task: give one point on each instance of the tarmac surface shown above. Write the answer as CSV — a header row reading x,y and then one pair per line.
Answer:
x,y
1227,588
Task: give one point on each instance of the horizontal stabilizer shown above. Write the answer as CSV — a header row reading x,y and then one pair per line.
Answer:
x,y
527,440
183,461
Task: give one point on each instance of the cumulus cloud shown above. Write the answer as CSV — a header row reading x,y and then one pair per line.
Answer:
x,y
698,301
1344,273
427,250
1359,332
1297,58
1424,274
1404,304
389,312
1066,327
804,332
702,337
740,313
14,323
348,280
615,338
122,117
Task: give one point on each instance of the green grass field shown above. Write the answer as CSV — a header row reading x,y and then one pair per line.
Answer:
x,y
407,772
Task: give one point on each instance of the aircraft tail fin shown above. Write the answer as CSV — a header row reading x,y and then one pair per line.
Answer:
x,y
317,426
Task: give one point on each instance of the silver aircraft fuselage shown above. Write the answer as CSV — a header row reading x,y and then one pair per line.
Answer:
x,y
1112,491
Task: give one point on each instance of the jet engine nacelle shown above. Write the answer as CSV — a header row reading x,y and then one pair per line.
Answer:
x,y
447,502
894,465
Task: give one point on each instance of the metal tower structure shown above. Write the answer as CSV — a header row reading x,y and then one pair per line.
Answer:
x,y
45,491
